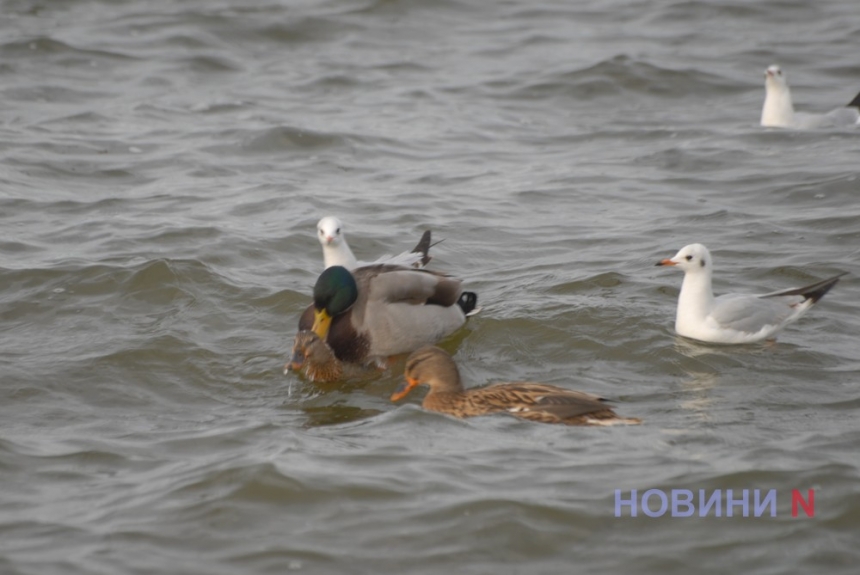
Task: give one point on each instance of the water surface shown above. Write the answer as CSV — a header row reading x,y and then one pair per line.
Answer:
x,y
162,168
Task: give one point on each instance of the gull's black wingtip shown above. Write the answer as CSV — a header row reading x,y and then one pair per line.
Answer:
x,y
423,248
855,103
812,292
817,291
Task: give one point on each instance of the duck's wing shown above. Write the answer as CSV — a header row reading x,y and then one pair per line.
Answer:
x,y
396,284
525,397
398,310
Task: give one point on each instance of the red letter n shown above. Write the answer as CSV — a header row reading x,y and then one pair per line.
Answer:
x,y
808,506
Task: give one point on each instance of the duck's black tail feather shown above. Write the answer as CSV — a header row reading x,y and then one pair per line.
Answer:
x,y
814,291
468,302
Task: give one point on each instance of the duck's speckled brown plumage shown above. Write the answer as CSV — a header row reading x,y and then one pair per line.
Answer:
x,y
528,400
315,357
397,310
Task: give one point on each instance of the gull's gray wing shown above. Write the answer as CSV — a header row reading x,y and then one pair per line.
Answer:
x,y
843,116
749,313
810,121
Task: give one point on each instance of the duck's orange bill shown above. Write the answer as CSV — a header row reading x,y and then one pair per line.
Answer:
x,y
403,389
322,323
666,262
293,365
297,361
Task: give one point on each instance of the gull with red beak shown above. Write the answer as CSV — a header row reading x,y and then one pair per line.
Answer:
x,y
734,318
336,252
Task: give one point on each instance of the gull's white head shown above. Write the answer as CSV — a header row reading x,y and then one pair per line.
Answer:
x,y
330,231
778,109
774,78
694,258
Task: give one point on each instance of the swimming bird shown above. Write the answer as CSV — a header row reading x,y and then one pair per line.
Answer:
x,y
314,356
541,402
778,110
382,310
336,252
734,318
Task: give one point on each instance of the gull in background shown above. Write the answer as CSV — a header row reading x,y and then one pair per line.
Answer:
x,y
778,110
336,252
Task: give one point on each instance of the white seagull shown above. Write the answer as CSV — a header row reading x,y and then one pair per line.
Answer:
x,y
778,110
336,251
734,318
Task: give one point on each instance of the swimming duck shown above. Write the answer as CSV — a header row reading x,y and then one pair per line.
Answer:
x,y
541,402
382,310
316,357
734,318
336,252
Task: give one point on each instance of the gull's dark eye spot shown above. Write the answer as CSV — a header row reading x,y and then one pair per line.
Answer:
x,y
703,263
337,231
689,258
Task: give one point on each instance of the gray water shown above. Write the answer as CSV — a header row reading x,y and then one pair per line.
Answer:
x,y
162,168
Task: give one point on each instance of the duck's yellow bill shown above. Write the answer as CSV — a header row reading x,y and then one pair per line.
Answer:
x,y
322,323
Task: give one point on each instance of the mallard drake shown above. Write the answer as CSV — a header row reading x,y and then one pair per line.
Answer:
x,y
336,252
382,310
316,357
734,318
433,367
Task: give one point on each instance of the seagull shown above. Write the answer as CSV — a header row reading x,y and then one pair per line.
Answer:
x,y
336,251
734,318
778,111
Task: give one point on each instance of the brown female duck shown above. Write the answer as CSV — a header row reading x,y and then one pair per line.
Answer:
x,y
433,367
316,357
382,310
